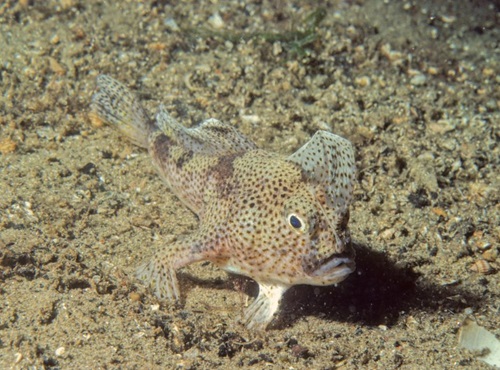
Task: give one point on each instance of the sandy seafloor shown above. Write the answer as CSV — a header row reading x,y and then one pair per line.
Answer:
x,y
413,84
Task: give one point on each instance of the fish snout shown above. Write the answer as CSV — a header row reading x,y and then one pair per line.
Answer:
x,y
332,269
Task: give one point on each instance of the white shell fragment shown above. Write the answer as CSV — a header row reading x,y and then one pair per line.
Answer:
x,y
476,338
60,351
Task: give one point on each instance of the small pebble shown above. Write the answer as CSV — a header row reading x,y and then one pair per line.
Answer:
x,y
56,67
216,21
488,72
387,234
440,212
490,255
60,351
418,80
18,357
362,81
251,118
7,146
95,120
135,297
432,71
171,25
277,48
448,18
411,322
55,39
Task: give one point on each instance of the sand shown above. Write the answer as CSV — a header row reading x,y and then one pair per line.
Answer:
x,y
414,86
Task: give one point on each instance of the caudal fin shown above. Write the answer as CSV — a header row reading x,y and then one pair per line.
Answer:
x,y
118,106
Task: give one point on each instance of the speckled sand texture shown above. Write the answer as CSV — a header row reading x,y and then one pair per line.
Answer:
x,y
414,86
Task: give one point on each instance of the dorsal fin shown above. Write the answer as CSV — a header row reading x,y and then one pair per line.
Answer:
x,y
211,137
328,160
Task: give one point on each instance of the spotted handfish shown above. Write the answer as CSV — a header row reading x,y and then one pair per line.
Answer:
x,y
280,220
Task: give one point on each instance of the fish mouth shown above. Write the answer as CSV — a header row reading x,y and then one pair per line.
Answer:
x,y
337,269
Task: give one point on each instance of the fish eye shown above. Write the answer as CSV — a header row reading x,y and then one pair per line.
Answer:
x,y
296,222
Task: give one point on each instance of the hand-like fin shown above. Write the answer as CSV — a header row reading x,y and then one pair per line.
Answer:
x,y
328,160
159,272
261,312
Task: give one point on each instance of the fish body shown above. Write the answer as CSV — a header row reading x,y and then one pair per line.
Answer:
x,y
279,220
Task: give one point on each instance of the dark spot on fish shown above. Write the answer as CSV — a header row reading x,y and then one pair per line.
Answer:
x,y
160,146
185,157
224,168
196,248
305,176
222,171
219,129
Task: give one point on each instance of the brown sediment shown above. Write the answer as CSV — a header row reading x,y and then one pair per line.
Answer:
x,y
413,85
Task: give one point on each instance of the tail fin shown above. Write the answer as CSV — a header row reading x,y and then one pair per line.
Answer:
x,y
119,107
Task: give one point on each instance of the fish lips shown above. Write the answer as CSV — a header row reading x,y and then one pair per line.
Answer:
x,y
329,270
336,268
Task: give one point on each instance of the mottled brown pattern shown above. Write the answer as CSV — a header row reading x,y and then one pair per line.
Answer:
x,y
185,157
160,144
224,169
279,220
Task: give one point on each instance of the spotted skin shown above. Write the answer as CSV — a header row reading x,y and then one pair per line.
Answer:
x,y
281,221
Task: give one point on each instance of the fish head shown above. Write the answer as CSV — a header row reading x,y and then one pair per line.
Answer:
x,y
322,236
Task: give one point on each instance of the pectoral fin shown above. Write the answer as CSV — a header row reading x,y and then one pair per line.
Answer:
x,y
159,272
261,312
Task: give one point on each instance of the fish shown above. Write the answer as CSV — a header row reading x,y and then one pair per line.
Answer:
x,y
279,220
